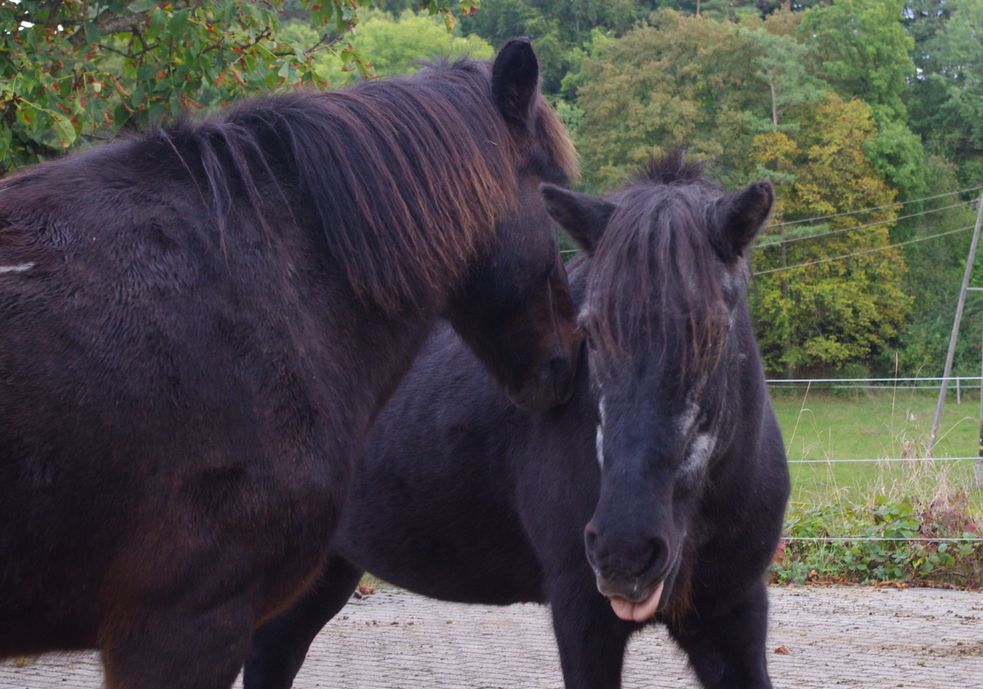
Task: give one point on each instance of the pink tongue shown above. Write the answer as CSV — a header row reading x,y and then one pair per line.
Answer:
x,y
637,612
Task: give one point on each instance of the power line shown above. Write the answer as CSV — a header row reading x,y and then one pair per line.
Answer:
x,y
875,208
862,252
789,240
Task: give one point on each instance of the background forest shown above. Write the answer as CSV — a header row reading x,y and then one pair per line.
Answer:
x,y
848,105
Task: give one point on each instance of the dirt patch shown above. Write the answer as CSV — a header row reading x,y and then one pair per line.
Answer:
x,y
859,637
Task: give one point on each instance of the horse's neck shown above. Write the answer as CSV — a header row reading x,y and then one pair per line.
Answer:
x,y
371,351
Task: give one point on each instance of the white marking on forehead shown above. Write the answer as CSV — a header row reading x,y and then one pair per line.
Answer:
x,y
685,421
16,268
584,312
600,435
699,454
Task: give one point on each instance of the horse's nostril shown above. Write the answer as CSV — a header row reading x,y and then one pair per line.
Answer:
x,y
559,366
625,559
555,370
590,542
658,557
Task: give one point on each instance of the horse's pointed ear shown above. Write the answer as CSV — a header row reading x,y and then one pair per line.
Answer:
x,y
739,217
583,216
515,80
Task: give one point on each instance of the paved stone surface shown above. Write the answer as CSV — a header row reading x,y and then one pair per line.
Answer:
x,y
836,637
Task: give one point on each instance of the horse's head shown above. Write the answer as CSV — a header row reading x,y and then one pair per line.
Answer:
x,y
514,308
667,327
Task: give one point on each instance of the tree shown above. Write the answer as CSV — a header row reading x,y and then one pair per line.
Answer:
x,y
947,97
681,81
70,68
781,66
811,312
391,45
860,47
558,29
933,277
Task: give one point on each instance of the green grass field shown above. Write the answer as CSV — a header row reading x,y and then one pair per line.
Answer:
x,y
821,425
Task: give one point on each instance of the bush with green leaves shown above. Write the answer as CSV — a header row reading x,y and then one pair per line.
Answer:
x,y
873,556
72,69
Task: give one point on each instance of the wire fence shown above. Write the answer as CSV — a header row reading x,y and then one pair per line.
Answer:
x,y
877,460
904,539
898,382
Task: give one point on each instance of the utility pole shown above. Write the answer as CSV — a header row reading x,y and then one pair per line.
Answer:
x,y
954,336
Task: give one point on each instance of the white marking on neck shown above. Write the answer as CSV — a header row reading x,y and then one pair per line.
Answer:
x,y
16,268
600,435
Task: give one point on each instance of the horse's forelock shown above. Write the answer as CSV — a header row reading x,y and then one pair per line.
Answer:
x,y
653,281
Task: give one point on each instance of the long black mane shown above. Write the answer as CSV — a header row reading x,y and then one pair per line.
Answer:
x,y
656,258
385,170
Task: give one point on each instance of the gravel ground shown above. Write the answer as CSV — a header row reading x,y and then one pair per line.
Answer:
x,y
834,637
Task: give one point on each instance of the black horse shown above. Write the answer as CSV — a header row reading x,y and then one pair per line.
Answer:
x,y
670,441
198,326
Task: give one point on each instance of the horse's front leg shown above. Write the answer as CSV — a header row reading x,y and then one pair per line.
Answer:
x,y
726,648
590,637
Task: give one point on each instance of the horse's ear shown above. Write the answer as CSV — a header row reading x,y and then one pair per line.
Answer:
x,y
739,216
582,215
515,80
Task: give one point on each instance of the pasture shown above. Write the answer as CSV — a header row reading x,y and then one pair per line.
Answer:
x,y
823,424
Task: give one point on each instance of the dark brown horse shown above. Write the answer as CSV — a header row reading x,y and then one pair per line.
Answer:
x,y
667,458
198,326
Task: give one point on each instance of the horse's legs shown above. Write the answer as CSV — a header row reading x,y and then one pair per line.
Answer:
x,y
727,650
591,639
203,650
280,645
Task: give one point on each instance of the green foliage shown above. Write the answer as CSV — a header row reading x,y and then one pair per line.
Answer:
x,y
870,561
935,269
861,48
390,45
831,312
781,65
76,69
681,81
947,97
558,29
